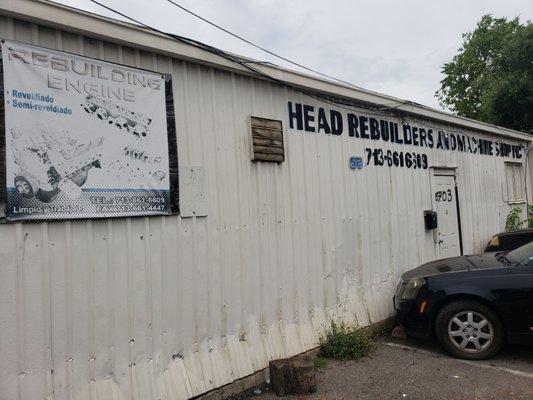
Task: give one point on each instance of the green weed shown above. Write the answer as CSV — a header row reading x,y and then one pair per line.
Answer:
x,y
342,343
319,362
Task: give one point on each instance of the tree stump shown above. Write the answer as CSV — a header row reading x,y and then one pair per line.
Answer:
x,y
292,375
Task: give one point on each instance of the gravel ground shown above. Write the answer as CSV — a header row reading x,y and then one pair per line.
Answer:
x,y
408,369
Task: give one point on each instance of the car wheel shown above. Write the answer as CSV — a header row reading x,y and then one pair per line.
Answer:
x,y
23,187
469,329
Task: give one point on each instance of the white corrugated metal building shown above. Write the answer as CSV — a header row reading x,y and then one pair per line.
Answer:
x,y
263,255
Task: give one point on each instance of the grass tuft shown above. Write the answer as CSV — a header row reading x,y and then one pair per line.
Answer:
x,y
342,343
319,362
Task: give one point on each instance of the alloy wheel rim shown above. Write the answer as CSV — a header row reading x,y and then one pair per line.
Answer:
x,y
22,187
470,331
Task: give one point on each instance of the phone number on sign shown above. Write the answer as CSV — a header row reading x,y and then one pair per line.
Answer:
x,y
111,208
396,158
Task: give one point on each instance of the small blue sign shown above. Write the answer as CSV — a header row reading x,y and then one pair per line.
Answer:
x,y
356,162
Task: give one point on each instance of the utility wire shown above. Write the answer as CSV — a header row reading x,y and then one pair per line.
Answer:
x,y
377,111
259,47
172,36
243,63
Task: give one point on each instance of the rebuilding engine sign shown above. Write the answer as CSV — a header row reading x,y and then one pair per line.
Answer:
x,y
84,138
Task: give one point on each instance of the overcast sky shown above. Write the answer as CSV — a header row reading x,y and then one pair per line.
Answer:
x,y
395,47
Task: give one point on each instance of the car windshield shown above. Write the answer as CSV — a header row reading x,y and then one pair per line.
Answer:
x,y
521,256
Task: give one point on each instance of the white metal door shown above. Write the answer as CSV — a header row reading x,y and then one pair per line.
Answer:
x,y
445,204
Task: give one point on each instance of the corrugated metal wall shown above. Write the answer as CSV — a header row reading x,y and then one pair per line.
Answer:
x,y
171,307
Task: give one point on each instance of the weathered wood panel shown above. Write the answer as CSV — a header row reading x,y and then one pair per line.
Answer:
x,y
267,140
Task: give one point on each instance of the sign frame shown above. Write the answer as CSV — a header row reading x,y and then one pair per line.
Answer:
x,y
172,152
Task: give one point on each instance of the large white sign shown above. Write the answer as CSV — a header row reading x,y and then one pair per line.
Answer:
x,y
84,138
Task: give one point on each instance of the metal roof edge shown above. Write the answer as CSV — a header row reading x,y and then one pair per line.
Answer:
x,y
78,21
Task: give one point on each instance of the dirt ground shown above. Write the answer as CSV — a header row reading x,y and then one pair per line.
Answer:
x,y
410,369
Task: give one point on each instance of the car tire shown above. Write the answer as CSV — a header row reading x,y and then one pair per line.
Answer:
x,y
20,180
47,196
469,329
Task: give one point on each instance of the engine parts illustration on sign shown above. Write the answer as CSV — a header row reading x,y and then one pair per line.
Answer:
x,y
131,122
84,138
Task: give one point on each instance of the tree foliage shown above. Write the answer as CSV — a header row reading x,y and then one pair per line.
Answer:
x,y
491,77
514,219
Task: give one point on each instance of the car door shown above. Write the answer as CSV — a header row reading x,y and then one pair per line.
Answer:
x,y
514,299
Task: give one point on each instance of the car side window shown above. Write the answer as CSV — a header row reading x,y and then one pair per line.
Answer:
x,y
511,242
522,240
506,243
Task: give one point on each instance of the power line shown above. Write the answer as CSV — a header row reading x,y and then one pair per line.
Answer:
x,y
172,36
370,110
243,63
259,47
377,110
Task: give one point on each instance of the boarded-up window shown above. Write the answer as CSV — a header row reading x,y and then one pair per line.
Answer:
x,y
267,140
516,187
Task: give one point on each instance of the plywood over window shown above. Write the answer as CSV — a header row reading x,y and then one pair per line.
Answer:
x,y
267,140
516,185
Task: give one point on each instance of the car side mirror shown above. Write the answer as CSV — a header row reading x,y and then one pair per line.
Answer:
x,y
430,219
